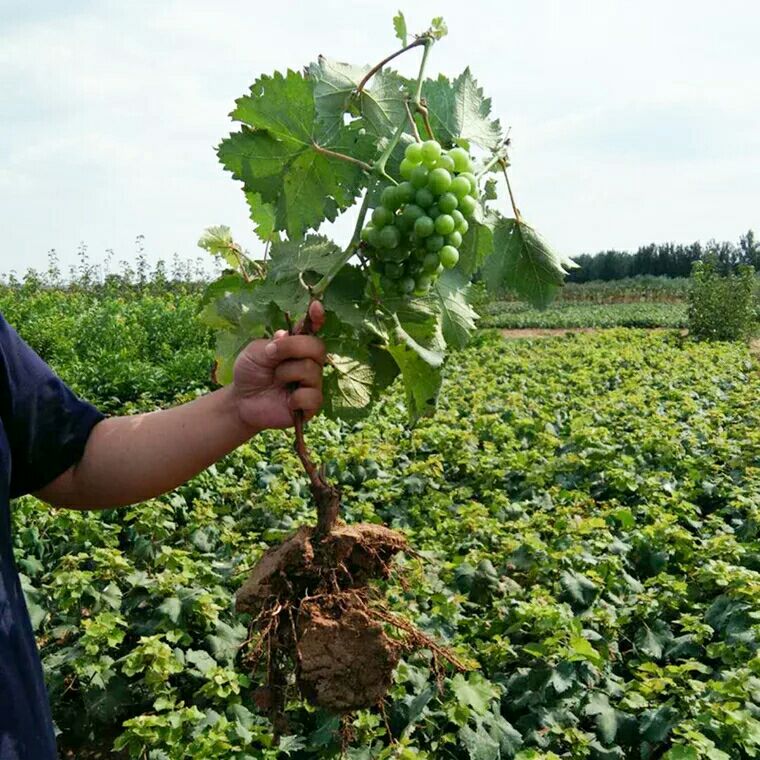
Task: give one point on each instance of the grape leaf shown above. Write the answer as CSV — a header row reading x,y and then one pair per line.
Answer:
x,y
420,321
263,216
438,29
474,691
399,26
236,310
458,110
294,265
218,242
314,255
276,154
416,347
422,380
489,191
346,299
522,261
350,379
605,716
477,245
457,316
478,743
380,104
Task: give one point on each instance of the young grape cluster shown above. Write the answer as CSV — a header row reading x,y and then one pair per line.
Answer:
x,y
416,231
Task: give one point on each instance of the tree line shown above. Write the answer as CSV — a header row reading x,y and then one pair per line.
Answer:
x,y
665,259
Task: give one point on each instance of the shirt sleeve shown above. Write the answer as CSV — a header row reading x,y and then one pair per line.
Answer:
x,y
47,425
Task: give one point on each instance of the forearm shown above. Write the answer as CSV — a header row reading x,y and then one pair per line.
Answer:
x,y
134,458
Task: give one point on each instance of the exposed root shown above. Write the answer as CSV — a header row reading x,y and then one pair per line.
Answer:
x,y
315,612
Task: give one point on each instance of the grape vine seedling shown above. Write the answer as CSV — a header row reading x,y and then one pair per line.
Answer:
x,y
417,162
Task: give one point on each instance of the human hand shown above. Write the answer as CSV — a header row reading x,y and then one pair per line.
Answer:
x,y
267,371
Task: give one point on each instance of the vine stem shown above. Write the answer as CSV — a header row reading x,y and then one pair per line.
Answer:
x,y
509,189
326,497
318,290
416,43
418,88
342,157
497,159
412,122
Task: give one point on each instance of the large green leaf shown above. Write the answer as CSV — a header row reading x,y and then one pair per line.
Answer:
x,y
276,155
605,716
460,112
421,373
314,255
457,316
479,744
474,691
380,103
477,245
523,262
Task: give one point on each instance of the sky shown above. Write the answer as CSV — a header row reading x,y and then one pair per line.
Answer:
x,y
631,122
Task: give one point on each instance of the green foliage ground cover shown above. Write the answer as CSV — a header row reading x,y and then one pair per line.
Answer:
x,y
131,346
511,314
586,510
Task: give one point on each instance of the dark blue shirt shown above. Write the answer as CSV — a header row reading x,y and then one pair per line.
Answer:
x,y
43,431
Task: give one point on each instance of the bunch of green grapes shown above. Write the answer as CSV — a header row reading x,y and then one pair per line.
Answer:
x,y
416,231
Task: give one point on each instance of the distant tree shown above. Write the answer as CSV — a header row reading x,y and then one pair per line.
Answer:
x,y
666,259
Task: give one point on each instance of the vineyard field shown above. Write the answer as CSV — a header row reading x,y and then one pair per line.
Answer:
x,y
570,314
585,510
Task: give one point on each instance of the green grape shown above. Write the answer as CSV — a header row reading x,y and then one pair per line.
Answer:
x,y
424,198
431,151
430,262
434,211
449,256
394,270
470,177
424,226
381,217
448,202
405,192
373,237
434,243
468,205
460,186
398,254
388,285
406,285
444,224
412,213
405,168
422,284
445,162
458,217
454,238
439,181
389,237
419,176
389,198
413,152
463,226
366,233
439,271
461,159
